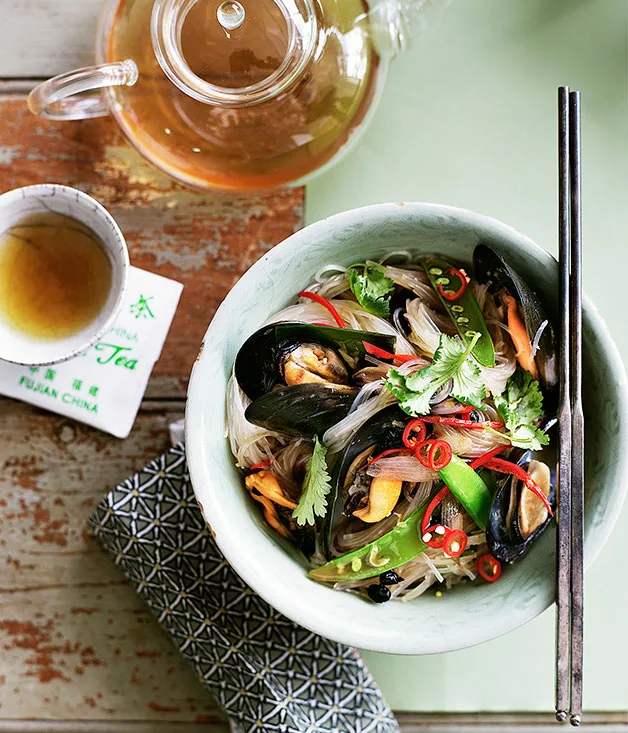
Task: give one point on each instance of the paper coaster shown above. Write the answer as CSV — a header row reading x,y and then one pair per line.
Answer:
x,y
104,387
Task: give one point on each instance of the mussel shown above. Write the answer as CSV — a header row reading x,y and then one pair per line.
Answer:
x,y
319,354
300,377
517,517
382,431
538,355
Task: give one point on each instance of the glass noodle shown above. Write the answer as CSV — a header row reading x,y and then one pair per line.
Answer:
x,y
417,322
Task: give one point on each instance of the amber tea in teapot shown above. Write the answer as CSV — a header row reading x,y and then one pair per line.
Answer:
x,y
236,95
267,144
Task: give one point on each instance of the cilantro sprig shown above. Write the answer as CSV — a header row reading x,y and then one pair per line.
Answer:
x,y
372,288
520,406
452,360
316,487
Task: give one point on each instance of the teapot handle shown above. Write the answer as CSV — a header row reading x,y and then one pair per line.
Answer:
x,y
66,97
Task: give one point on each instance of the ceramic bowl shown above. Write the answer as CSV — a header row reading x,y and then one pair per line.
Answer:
x,y
469,614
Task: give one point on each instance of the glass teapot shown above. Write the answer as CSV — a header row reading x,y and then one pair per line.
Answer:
x,y
242,95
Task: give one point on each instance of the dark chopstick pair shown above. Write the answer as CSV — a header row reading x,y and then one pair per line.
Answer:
x,y
570,572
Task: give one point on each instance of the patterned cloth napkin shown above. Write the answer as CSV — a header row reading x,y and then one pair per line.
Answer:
x,y
267,673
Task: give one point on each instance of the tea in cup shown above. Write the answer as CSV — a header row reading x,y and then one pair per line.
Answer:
x,y
63,271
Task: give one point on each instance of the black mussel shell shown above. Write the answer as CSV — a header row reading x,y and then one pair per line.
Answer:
x,y
399,302
489,267
384,430
303,410
305,539
257,366
505,541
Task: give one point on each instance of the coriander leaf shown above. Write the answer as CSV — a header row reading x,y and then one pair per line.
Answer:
x,y
522,401
468,386
520,406
372,288
530,437
452,361
316,487
414,403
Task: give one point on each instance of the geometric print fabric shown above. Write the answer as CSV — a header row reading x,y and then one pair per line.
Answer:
x,y
267,673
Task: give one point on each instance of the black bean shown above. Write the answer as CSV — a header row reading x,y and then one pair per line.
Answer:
x,y
390,578
379,593
474,416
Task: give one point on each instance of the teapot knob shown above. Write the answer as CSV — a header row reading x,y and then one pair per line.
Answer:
x,y
396,22
231,15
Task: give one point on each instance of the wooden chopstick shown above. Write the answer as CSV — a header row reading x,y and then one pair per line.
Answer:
x,y
563,548
570,538
577,418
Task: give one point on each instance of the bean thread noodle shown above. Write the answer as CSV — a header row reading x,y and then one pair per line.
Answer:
x,y
377,398
249,444
424,332
417,330
324,273
401,254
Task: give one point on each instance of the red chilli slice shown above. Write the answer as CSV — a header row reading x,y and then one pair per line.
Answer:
x,y
502,466
452,295
455,543
414,433
326,304
383,354
434,454
488,567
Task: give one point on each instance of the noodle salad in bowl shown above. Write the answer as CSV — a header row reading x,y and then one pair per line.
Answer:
x,y
394,422
369,428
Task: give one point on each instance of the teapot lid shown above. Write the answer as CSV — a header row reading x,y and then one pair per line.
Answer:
x,y
234,52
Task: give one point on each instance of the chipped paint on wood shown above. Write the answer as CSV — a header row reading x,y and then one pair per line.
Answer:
x,y
7,155
76,642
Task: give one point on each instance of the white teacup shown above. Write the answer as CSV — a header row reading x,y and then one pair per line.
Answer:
x,y
22,202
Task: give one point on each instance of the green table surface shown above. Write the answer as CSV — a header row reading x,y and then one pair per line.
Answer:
x,y
469,119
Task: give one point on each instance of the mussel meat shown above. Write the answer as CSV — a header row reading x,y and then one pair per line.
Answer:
x,y
291,353
517,516
535,346
312,364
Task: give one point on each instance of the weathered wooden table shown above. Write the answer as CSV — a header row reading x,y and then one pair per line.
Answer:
x,y
76,646
76,642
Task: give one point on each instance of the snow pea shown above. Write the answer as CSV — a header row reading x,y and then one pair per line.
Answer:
x,y
401,544
469,488
464,311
